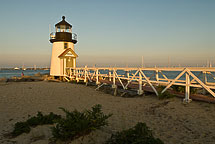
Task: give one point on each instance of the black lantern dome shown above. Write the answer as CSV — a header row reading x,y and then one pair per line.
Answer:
x,y
63,32
63,23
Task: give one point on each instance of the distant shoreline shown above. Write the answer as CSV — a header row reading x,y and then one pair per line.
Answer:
x,y
10,73
26,68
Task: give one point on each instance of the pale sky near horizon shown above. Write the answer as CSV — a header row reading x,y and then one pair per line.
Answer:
x,y
110,32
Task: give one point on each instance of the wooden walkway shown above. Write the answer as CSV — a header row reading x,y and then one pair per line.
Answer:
x,y
136,78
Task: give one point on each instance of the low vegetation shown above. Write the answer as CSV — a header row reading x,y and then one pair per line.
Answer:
x,y
139,134
77,124
165,95
72,126
177,88
40,119
181,89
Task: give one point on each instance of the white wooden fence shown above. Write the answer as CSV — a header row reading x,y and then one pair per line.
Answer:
x,y
185,77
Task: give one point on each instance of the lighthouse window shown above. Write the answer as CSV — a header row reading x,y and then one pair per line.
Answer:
x,y
65,45
58,29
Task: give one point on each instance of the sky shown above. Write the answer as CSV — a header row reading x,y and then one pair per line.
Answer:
x,y
110,32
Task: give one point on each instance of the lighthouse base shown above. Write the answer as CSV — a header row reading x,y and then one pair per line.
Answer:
x,y
62,58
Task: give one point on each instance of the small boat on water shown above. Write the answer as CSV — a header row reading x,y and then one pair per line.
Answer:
x,y
16,68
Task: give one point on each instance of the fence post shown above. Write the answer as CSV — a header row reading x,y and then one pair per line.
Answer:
x,y
204,80
97,76
114,79
128,74
109,75
85,74
187,89
140,91
156,75
77,76
74,71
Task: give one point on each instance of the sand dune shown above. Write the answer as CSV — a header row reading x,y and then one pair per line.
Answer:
x,y
170,120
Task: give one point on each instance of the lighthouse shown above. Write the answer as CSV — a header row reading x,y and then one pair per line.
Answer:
x,y
63,57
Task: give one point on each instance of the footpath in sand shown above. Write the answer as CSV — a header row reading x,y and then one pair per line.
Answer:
x,y
170,120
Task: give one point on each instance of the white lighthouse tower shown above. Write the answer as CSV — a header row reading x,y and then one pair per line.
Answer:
x,y
63,53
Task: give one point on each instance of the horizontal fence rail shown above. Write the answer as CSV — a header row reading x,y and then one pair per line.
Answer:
x,y
199,77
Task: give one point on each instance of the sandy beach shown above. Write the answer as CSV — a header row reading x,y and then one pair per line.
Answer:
x,y
171,120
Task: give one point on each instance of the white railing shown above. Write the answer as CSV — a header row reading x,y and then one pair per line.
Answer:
x,y
52,35
187,77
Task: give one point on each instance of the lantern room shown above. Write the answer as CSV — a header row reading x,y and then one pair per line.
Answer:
x,y
63,26
63,32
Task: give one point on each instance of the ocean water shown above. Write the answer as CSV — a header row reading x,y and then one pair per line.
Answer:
x,y
168,74
17,73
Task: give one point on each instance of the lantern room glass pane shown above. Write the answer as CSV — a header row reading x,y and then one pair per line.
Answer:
x,y
63,28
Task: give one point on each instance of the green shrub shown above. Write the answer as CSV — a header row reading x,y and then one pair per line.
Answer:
x,y
177,88
165,95
21,127
77,124
74,125
40,119
193,90
161,87
181,89
140,134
